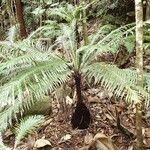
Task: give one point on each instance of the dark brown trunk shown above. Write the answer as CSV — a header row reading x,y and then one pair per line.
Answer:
x,y
77,78
20,17
81,117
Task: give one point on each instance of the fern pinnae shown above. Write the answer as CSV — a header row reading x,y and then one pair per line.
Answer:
x,y
117,81
108,43
26,126
25,77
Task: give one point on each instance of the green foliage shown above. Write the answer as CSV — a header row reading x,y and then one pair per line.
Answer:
x,y
27,126
100,8
38,11
106,40
68,12
3,147
122,82
30,68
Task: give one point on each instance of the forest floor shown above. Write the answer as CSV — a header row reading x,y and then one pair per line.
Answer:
x,y
103,107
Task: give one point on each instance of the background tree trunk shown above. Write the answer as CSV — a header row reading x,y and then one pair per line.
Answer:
x,y
11,14
148,10
139,66
20,17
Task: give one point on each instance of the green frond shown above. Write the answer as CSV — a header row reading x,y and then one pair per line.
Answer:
x,y
26,126
145,95
7,50
29,53
68,12
115,36
3,147
101,33
52,73
24,61
107,42
122,82
10,112
147,81
50,30
68,41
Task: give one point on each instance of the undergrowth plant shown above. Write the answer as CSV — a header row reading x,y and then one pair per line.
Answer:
x,y
26,126
30,68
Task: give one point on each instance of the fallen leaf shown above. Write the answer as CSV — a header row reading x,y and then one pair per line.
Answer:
x,y
93,99
130,147
84,148
99,142
65,138
147,133
88,138
69,100
42,143
99,136
103,142
109,117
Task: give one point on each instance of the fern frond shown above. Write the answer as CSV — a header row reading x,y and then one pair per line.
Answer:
x,y
68,41
53,73
145,95
26,126
68,12
10,112
106,44
147,81
101,33
122,82
51,30
25,61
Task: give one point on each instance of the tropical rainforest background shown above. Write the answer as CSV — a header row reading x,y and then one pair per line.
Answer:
x,y
75,74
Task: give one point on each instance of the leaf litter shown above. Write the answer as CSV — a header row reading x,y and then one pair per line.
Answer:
x,y
103,133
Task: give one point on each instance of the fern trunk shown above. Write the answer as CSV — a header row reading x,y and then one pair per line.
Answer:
x,y
139,66
77,77
20,17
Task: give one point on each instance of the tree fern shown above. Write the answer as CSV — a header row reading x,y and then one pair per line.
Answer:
x,y
35,69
